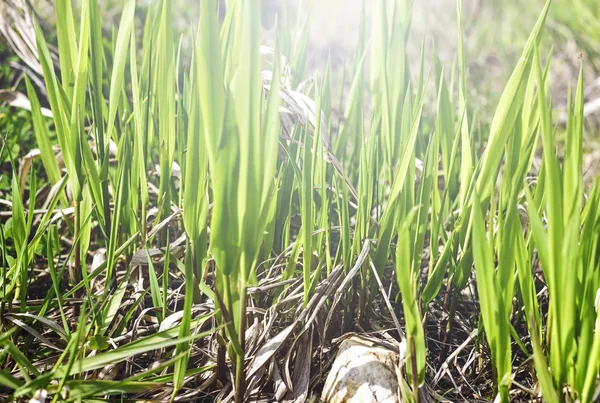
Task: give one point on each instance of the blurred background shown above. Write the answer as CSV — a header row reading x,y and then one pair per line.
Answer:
x,y
495,32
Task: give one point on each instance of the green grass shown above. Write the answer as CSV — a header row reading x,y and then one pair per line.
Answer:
x,y
215,220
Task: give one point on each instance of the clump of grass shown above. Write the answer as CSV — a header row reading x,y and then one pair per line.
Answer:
x,y
210,200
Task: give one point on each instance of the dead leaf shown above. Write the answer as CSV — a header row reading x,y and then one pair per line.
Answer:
x,y
25,167
268,350
302,363
19,100
280,387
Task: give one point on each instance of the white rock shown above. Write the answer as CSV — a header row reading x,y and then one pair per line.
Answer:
x,y
363,372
